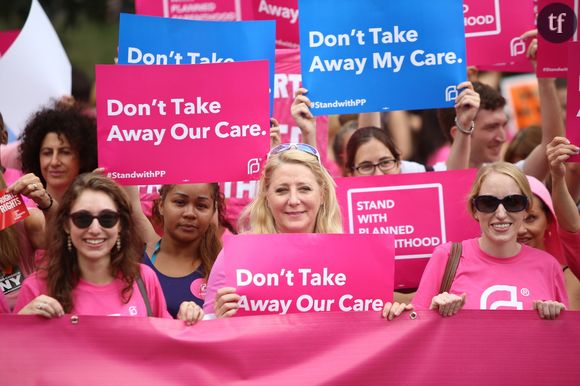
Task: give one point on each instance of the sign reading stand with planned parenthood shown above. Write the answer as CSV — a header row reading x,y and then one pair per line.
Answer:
x,y
368,55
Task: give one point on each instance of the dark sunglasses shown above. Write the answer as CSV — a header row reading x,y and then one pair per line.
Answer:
x,y
298,146
511,203
83,218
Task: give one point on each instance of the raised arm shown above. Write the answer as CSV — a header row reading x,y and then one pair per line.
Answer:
x,y
300,110
466,107
536,164
558,151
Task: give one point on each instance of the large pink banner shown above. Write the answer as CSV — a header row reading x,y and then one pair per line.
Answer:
x,y
216,10
286,81
422,211
183,123
285,12
293,273
557,25
492,31
478,348
573,101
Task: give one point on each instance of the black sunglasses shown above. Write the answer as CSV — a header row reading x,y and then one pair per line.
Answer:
x,y
83,218
511,203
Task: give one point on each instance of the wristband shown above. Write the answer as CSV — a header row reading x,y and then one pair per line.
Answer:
x,y
465,131
49,204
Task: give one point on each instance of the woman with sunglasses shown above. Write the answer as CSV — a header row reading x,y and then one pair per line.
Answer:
x,y
494,271
92,262
295,195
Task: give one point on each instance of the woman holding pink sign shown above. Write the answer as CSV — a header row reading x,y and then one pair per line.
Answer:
x,y
296,195
494,271
92,262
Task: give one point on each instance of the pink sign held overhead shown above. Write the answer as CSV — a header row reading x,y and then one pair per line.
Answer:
x,y
573,102
183,123
215,10
294,273
285,12
421,210
492,31
557,25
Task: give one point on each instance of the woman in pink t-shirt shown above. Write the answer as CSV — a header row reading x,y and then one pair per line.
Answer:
x,y
494,271
92,267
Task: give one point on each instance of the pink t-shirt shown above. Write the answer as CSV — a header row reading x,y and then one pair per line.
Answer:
x,y
4,309
91,299
494,283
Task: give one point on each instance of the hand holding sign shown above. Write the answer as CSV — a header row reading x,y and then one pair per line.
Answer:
x,y
466,104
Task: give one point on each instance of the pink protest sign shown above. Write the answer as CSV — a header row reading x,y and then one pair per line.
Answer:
x,y
421,210
294,273
286,81
12,209
557,24
183,123
285,12
216,10
573,102
6,39
492,31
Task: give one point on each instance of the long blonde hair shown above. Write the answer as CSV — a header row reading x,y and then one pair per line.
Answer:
x,y
257,217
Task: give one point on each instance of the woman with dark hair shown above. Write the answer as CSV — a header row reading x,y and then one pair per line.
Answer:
x,y
183,257
92,267
58,144
371,151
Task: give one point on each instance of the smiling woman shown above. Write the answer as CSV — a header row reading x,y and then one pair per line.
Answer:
x,y
92,262
495,271
296,195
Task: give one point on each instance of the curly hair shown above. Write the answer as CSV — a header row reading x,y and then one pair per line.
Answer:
x,y
257,217
67,122
61,267
211,244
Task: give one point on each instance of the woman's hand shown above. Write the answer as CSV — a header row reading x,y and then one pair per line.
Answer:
x,y
448,304
190,313
29,185
275,135
226,302
44,306
392,310
548,309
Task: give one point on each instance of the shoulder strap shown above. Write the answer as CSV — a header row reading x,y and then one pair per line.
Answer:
x,y
451,267
144,295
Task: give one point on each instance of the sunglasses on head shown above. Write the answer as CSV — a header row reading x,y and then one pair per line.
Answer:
x,y
298,146
83,218
511,203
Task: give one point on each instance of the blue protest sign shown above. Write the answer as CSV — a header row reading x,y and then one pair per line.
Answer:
x,y
157,40
369,55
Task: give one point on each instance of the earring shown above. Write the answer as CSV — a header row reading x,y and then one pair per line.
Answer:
x,y
119,243
68,243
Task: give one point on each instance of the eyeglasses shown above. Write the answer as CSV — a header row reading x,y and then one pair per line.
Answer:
x,y
298,146
511,203
83,218
369,168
